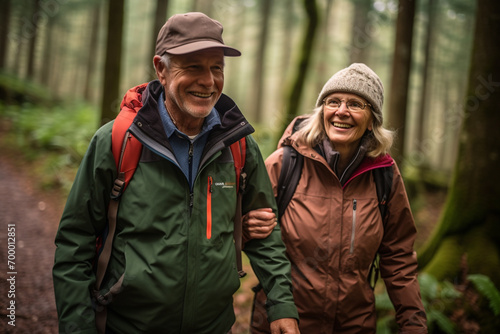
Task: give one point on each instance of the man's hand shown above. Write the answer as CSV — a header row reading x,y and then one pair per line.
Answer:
x,y
285,326
258,224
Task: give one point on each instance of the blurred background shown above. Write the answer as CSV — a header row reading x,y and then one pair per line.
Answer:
x,y
66,64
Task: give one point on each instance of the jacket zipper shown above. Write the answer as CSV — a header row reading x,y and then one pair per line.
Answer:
x,y
190,162
209,207
353,233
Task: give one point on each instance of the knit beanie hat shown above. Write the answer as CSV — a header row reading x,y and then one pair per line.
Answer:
x,y
358,79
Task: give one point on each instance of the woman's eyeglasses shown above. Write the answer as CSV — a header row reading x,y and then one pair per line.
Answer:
x,y
352,105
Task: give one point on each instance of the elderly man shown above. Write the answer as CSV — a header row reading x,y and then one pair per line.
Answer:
x,y
172,266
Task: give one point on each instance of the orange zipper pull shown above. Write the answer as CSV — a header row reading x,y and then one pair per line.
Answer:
x,y
209,207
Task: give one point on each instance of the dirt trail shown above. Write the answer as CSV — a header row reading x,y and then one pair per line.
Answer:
x,y
26,282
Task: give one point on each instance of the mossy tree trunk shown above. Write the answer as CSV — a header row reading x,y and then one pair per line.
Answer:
x,y
5,15
470,223
400,79
112,67
295,92
260,60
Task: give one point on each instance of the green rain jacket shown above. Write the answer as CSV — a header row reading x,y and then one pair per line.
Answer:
x,y
178,277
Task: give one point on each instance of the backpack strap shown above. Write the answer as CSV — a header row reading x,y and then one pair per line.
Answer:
x,y
291,169
238,149
126,152
383,182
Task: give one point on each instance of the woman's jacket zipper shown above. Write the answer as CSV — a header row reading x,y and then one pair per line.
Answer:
x,y
353,232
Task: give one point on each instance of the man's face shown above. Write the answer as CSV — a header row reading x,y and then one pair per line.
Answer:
x,y
193,83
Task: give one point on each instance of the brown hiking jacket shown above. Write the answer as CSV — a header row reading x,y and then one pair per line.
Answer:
x,y
332,234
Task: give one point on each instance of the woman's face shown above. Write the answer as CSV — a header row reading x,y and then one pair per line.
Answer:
x,y
345,126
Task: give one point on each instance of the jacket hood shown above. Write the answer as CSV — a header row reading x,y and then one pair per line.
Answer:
x,y
288,137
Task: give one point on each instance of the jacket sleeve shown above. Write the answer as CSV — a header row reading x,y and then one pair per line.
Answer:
x,y
398,261
83,218
267,256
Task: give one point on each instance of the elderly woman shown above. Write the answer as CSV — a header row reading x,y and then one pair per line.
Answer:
x,y
332,227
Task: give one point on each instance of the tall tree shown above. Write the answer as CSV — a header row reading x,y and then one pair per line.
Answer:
x,y
401,65
17,36
233,84
112,64
470,221
47,56
204,6
35,24
95,19
288,23
160,16
4,32
294,95
258,80
325,42
361,36
424,101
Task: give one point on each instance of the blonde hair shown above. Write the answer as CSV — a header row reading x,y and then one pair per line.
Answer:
x,y
312,132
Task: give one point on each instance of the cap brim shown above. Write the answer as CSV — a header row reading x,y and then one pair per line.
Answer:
x,y
202,45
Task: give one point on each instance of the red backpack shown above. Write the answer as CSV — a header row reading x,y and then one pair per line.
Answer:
x,y
127,152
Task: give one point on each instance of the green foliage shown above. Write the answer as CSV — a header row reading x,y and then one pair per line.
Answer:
x,y
16,89
486,287
436,297
448,306
66,129
56,137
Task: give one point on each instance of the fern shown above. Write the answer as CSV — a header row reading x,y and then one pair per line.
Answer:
x,y
485,286
384,325
437,317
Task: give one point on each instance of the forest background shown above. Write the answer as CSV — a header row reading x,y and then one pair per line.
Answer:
x,y
65,65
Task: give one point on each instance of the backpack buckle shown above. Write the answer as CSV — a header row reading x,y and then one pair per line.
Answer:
x,y
241,273
243,182
117,190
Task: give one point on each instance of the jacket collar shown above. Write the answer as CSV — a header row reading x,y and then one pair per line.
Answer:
x,y
233,127
361,164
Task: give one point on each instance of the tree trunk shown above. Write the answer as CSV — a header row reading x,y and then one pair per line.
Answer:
x,y
30,74
19,42
288,21
424,101
296,90
160,17
233,84
470,221
401,64
258,80
361,36
47,52
327,31
92,50
112,64
59,60
204,6
4,32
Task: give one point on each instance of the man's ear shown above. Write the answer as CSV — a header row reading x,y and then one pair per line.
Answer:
x,y
159,68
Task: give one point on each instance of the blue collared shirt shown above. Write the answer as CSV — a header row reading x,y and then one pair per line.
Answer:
x,y
187,151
